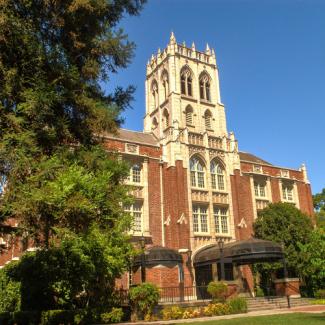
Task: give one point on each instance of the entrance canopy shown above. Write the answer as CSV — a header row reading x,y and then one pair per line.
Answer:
x,y
241,252
158,255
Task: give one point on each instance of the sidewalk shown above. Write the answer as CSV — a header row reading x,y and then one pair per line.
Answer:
x,y
304,309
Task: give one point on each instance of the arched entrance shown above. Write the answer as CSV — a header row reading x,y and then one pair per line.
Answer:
x,y
208,262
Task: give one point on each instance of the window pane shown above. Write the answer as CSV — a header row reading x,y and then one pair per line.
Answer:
x,y
213,181
195,219
183,85
189,86
193,179
200,179
221,184
201,90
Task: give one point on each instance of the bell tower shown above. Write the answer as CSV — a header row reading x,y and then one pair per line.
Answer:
x,y
183,96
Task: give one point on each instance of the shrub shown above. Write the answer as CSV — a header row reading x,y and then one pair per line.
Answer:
x,y
237,305
218,290
55,317
114,316
318,302
320,294
173,312
216,309
259,292
143,299
5,318
25,317
10,290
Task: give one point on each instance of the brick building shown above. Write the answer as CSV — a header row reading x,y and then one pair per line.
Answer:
x,y
192,185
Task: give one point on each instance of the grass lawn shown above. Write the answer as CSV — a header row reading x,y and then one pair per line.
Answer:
x,y
284,319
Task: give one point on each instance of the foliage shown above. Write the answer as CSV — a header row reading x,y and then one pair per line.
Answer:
x,y
10,290
259,292
320,294
216,309
54,317
318,302
284,224
80,272
172,312
192,313
237,305
143,299
218,290
114,316
311,262
53,58
319,205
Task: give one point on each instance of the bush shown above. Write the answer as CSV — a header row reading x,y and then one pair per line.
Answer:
x,y
10,290
5,318
320,294
259,292
192,312
218,290
25,317
318,302
237,305
143,299
173,312
55,317
114,316
216,309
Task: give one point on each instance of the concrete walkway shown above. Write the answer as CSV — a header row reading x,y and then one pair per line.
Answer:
x,y
304,309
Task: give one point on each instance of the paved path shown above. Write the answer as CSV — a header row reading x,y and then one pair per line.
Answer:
x,y
302,309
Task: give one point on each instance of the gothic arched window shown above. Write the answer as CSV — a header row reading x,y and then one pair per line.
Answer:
x,y
189,115
166,118
186,82
197,170
165,84
154,92
205,87
207,119
217,176
154,123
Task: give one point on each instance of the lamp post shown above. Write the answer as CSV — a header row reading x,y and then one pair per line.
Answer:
x,y
143,261
222,264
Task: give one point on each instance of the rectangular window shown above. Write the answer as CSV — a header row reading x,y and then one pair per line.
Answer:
x,y
135,210
200,219
213,181
193,179
221,220
200,179
259,189
287,192
221,183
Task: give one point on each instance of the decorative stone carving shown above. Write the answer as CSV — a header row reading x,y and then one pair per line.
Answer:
x,y
182,219
167,221
242,223
132,148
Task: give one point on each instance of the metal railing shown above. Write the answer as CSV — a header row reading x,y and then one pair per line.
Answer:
x,y
172,294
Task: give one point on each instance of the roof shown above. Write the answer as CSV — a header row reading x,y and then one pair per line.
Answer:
x,y
246,251
135,136
159,255
245,156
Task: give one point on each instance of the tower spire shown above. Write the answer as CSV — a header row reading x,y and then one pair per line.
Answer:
x,y
172,39
207,50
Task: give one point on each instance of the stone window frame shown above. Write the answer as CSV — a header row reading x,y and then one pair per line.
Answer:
x,y
136,211
197,172
221,219
200,219
186,79
218,176
205,86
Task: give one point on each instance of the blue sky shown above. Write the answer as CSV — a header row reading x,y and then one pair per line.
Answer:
x,y
271,59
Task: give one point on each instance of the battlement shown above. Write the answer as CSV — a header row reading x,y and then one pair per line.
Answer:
x,y
174,48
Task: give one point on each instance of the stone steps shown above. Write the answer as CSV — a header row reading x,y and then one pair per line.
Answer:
x,y
254,304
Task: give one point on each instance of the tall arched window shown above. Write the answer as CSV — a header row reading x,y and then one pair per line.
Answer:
x,y
186,82
165,84
217,176
205,87
166,119
154,92
197,172
207,119
189,115
154,123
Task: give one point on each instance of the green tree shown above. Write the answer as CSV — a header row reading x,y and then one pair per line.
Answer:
x,y
311,261
285,224
53,56
319,205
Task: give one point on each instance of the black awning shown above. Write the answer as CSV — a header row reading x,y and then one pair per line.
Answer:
x,y
158,255
241,252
